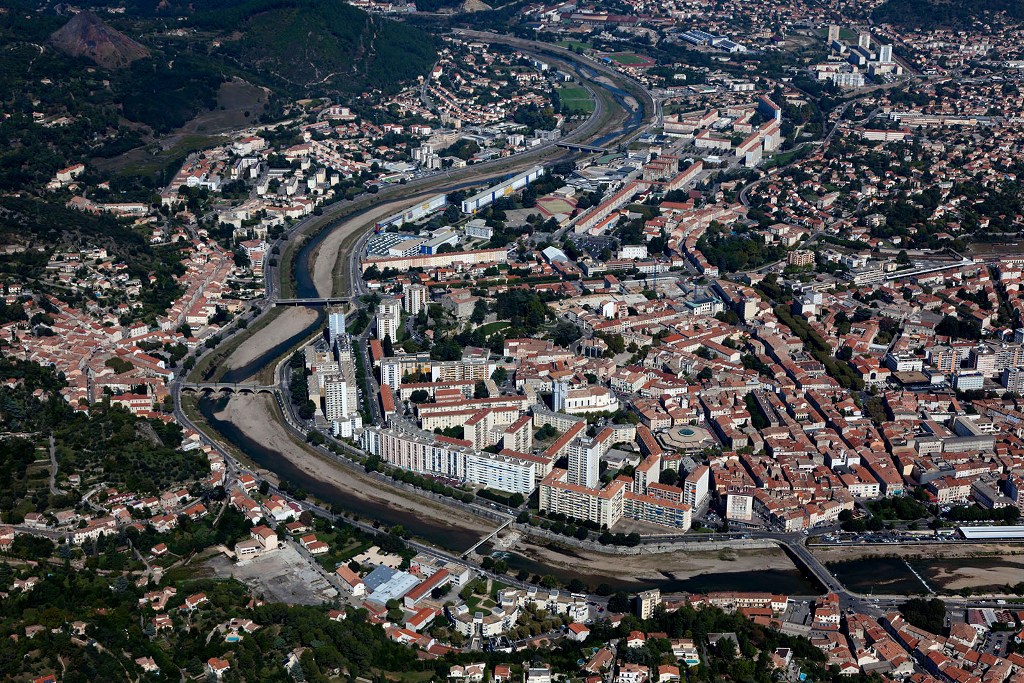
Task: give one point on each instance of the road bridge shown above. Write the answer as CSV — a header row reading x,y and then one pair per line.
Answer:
x,y
228,388
584,148
313,301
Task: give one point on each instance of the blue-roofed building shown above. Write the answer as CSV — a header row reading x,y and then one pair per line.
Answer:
x,y
393,587
377,577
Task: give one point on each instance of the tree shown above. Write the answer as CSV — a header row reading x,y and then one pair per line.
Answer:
x,y
119,365
566,333
479,312
419,396
669,477
523,308
500,375
546,432
388,346
927,614
615,342
446,349
619,603
307,410
480,390
726,649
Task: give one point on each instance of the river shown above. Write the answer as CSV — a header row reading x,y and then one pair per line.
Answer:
x,y
442,536
449,538
304,288
636,114
788,581
913,575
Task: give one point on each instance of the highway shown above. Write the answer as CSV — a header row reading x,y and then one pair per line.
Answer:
x,y
599,124
278,278
359,215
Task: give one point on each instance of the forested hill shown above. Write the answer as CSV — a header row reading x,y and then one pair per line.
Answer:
x,y
309,47
927,14
182,52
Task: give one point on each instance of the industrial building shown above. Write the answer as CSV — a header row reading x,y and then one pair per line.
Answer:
x,y
502,189
414,213
991,533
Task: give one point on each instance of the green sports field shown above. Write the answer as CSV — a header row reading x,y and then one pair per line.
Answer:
x,y
576,98
627,59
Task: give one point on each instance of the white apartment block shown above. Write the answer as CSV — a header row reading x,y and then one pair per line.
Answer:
x,y
584,463
519,435
389,318
391,373
695,486
501,472
335,324
739,507
657,511
475,369
608,505
600,506
414,299
458,416
427,453
340,396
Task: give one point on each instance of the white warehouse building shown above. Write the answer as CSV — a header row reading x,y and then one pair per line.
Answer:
x,y
503,189
414,213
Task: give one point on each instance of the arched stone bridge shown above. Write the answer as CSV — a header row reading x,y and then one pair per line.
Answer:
x,y
227,388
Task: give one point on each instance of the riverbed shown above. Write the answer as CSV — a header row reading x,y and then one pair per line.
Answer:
x,y
942,568
755,569
249,422
252,354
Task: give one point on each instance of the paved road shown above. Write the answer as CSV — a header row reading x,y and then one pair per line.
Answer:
x,y
433,184
627,83
53,468
600,123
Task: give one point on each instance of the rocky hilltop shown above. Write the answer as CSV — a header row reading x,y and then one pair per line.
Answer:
x,y
86,35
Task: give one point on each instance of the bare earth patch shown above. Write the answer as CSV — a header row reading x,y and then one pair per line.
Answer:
x,y
975,577
935,550
325,261
281,575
